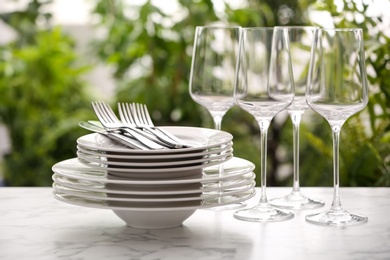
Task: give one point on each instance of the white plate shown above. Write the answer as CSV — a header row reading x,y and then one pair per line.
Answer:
x,y
175,156
156,170
233,168
198,138
160,198
153,190
150,163
178,175
181,205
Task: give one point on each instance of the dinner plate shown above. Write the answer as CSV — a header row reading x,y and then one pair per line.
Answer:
x,y
180,205
160,198
153,170
233,168
166,157
149,190
151,163
175,175
198,138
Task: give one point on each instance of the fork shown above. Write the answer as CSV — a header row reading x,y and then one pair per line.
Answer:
x,y
127,118
111,122
143,120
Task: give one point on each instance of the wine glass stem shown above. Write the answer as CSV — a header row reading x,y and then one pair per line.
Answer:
x,y
217,125
263,124
217,122
296,120
336,204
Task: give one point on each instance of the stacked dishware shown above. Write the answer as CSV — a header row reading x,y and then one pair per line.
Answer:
x,y
155,188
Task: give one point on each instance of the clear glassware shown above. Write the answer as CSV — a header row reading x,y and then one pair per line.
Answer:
x,y
337,89
213,70
301,40
264,87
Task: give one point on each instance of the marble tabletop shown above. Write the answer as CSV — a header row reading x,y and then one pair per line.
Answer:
x,y
34,225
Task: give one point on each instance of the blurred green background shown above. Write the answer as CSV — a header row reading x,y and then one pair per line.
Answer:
x,y
44,90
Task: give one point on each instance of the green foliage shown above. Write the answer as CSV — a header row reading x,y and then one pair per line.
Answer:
x,y
41,99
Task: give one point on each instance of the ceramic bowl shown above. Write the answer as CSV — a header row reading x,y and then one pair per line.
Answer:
x,y
154,219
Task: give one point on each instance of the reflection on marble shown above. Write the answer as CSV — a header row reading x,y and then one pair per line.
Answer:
x,y
33,225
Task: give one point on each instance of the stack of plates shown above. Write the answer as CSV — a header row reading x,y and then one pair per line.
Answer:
x,y
173,182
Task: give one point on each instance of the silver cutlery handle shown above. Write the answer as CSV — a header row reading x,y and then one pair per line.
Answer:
x,y
176,140
139,135
152,135
164,138
126,141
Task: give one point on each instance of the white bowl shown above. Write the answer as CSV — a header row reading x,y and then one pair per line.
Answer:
x,y
155,219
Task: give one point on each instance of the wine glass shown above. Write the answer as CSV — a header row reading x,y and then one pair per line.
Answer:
x,y
213,70
301,40
264,87
337,89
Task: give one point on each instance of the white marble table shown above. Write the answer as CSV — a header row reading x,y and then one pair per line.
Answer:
x,y
33,225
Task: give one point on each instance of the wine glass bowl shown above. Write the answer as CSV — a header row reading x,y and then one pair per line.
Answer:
x,y
264,87
337,89
213,69
301,40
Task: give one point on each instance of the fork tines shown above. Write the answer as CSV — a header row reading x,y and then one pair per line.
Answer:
x,y
138,115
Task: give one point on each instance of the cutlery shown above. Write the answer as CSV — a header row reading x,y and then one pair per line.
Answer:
x,y
138,115
110,121
125,140
152,137
132,118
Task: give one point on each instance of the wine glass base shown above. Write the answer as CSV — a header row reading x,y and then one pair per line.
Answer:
x,y
229,207
336,218
296,200
263,212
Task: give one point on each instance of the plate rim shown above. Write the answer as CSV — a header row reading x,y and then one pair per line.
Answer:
x,y
160,170
90,158
239,181
244,187
118,208
237,172
228,137
228,146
